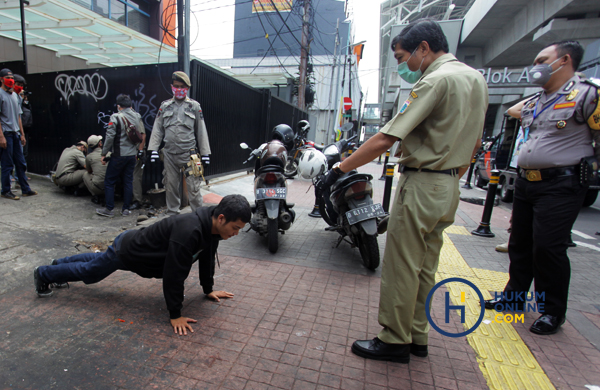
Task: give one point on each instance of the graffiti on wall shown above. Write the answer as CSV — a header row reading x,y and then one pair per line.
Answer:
x,y
146,108
94,86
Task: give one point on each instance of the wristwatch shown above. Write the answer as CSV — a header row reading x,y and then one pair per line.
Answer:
x,y
336,168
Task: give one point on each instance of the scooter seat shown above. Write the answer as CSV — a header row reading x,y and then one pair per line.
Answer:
x,y
269,169
320,147
350,177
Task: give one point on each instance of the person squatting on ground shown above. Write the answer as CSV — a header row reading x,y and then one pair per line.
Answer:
x,y
440,125
12,138
96,171
165,250
559,124
71,168
122,160
180,123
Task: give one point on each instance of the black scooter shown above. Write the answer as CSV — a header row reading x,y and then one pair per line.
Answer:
x,y
348,207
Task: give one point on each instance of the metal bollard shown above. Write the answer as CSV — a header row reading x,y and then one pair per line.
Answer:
x,y
484,226
470,173
387,157
387,190
316,213
379,161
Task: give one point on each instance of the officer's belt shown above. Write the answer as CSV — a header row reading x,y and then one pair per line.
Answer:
x,y
451,172
548,173
62,174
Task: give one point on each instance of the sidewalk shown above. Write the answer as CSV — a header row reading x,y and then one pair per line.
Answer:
x,y
291,323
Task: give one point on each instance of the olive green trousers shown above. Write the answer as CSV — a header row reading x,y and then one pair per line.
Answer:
x,y
425,204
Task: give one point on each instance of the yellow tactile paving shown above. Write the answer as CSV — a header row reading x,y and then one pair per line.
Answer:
x,y
504,359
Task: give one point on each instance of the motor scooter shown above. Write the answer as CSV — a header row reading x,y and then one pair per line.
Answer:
x,y
271,213
348,208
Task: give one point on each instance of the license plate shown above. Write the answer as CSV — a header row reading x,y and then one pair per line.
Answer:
x,y
366,212
271,193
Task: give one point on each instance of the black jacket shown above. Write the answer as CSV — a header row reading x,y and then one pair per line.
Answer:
x,y
167,250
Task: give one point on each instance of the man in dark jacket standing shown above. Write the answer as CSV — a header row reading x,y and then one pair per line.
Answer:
x,y
124,152
165,250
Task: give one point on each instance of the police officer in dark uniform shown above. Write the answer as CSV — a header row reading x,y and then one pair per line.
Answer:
x,y
560,124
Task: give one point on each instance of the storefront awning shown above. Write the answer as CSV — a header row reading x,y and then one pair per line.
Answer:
x,y
71,30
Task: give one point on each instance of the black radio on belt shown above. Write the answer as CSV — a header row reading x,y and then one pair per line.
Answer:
x,y
588,170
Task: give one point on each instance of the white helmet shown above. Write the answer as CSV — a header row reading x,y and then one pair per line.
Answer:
x,y
312,163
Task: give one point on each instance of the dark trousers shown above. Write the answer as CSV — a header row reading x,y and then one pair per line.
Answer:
x,y
123,167
86,267
11,157
542,218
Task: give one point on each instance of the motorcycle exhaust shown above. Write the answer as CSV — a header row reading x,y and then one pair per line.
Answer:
x,y
285,217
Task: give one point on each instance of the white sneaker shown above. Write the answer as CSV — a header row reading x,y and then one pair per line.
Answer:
x,y
502,248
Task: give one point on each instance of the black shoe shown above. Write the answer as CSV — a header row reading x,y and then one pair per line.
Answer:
x,y
41,288
378,350
506,305
383,225
418,350
54,262
135,206
95,199
547,324
10,195
30,193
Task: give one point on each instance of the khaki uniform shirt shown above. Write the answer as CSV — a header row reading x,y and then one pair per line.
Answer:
x,y
562,131
443,117
70,160
93,162
181,125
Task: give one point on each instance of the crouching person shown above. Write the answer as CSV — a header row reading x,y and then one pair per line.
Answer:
x,y
96,171
166,249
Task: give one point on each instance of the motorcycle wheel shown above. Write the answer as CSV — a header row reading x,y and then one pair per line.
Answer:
x,y
369,250
323,211
291,168
273,235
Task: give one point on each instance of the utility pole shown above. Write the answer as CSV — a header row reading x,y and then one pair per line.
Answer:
x,y
303,56
23,33
337,41
183,37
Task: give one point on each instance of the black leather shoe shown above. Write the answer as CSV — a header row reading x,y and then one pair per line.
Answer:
x,y
547,324
378,350
418,350
506,305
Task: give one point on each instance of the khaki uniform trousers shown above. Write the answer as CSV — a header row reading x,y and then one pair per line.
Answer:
x,y
94,183
72,179
138,172
172,182
424,206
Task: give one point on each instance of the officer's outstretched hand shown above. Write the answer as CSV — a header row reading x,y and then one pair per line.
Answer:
x,y
206,160
215,295
141,155
154,156
181,325
327,180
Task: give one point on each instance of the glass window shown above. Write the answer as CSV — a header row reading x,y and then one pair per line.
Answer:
x,y
138,21
117,12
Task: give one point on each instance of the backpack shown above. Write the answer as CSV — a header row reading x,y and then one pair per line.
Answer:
x,y
132,132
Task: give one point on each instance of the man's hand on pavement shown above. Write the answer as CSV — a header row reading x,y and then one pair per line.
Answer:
x,y
215,295
181,325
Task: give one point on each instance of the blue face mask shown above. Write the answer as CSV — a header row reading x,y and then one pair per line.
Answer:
x,y
408,75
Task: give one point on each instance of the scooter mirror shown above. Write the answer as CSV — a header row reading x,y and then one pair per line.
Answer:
x,y
244,146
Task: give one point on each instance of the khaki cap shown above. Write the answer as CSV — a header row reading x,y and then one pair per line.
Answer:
x,y
181,76
82,143
93,140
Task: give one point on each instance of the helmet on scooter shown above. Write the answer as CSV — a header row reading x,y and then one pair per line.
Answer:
x,y
312,163
285,134
302,127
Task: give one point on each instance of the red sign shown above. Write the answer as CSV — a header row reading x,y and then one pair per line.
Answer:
x,y
347,104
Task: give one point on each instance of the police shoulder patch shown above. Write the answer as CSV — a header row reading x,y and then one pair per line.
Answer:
x,y
594,119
